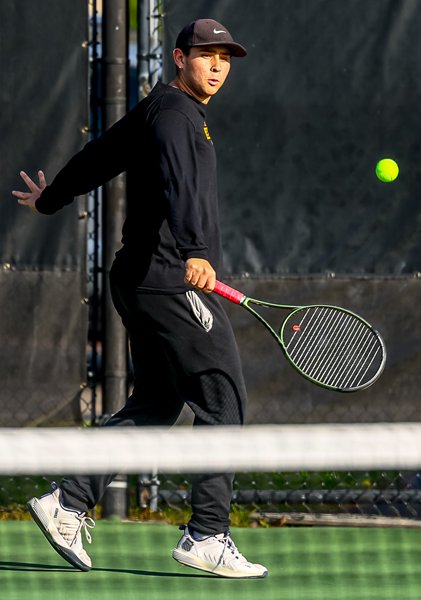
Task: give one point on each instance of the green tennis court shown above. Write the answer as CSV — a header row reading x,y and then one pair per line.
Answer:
x,y
134,560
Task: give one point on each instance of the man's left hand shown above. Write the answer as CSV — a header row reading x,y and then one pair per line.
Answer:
x,y
29,198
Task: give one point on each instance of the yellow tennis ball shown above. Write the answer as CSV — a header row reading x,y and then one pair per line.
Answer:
x,y
387,170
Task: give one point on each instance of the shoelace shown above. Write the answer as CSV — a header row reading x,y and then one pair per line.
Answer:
x,y
229,543
82,523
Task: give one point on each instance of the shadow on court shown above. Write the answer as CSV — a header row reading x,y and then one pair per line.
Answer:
x,y
156,573
21,566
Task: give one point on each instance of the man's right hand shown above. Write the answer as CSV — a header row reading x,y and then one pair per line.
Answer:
x,y
200,274
29,198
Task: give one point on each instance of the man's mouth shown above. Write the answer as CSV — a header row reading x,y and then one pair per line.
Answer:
x,y
213,81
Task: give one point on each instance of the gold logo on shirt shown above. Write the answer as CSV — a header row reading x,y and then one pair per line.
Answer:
x,y
206,130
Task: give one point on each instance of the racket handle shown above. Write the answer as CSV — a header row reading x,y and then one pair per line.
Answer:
x,y
228,292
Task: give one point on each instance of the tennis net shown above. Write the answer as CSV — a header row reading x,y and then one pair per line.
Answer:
x,y
312,489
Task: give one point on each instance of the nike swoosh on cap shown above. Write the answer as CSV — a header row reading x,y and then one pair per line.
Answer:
x,y
222,31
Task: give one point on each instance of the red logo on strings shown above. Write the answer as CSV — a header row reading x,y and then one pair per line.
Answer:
x,y
296,327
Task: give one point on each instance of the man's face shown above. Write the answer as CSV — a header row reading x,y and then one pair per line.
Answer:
x,y
204,70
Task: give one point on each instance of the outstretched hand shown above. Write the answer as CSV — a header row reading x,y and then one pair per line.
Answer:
x,y
29,198
200,274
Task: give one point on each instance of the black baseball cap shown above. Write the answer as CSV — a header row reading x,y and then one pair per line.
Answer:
x,y
207,32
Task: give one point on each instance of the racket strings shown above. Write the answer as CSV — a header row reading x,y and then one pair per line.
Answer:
x,y
310,354
336,344
349,357
327,352
355,359
334,347
346,350
308,349
374,351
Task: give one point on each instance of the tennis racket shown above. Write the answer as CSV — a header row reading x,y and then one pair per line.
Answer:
x,y
329,346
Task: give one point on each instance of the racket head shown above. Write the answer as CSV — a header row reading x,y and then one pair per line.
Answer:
x,y
333,347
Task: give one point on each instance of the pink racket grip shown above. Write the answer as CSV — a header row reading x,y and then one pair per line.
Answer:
x,y
228,292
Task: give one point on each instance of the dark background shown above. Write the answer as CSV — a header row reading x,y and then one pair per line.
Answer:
x,y
327,90
44,109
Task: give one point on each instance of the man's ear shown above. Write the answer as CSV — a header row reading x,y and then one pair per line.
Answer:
x,y
179,58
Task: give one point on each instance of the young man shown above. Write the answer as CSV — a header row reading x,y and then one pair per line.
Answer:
x,y
183,348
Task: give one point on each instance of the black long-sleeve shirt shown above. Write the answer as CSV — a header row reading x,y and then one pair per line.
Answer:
x,y
165,146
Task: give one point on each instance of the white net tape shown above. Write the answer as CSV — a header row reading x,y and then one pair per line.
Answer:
x,y
211,449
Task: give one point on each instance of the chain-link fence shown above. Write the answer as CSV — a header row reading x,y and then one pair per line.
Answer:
x,y
302,497
362,498
43,301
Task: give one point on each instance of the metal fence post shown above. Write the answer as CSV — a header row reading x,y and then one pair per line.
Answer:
x,y
143,49
155,53
115,64
93,215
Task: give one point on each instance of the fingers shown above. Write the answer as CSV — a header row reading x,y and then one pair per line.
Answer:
x,y
22,195
196,270
32,186
29,199
42,182
29,202
200,274
204,282
210,283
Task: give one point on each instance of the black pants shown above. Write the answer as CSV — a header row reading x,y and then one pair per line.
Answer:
x,y
183,350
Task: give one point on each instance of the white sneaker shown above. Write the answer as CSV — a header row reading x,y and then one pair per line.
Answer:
x,y
62,527
216,554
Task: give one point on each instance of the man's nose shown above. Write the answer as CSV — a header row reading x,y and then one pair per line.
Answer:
x,y
216,64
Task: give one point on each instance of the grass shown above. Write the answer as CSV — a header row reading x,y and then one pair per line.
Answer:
x,y
240,516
